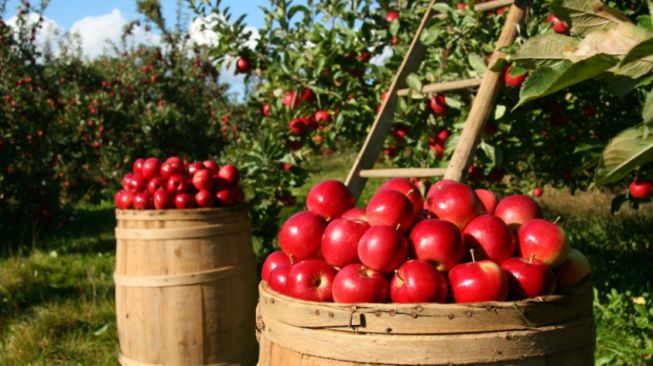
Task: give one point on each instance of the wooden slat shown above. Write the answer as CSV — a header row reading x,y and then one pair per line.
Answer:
x,y
491,5
484,101
381,126
441,87
403,173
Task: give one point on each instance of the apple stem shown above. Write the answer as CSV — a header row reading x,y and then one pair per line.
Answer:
x,y
556,220
530,260
473,257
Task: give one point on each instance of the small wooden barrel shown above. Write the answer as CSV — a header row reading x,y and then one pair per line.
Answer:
x,y
550,330
185,287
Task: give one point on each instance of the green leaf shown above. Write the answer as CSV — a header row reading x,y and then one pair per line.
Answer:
x,y
550,79
499,111
643,49
647,110
477,63
544,49
587,16
624,153
394,27
414,83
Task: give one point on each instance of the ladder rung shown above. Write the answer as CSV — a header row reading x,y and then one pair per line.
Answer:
x,y
402,173
441,87
491,5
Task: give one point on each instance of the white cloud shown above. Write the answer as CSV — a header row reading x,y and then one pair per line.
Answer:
x,y
48,33
386,53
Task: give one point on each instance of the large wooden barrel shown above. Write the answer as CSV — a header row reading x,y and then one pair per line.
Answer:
x,y
551,330
185,287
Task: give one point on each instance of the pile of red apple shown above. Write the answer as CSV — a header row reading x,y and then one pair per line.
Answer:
x,y
459,245
174,183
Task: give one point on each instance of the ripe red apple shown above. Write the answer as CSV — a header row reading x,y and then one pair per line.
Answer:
x,y
274,260
382,248
242,65
184,200
204,198
230,196
513,81
322,117
298,127
538,191
138,166
478,281
266,111
154,184
391,16
143,201
194,168
439,242
408,189
170,168
528,278
212,166
290,100
488,200
356,283
559,26
355,213
389,207
300,236
279,279
124,199
340,241
162,199
456,203
438,105
416,281
136,183
545,240
177,184
516,209
329,199
203,179
574,269
443,293
490,238
640,189
438,186
307,95
150,168
311,280
230,174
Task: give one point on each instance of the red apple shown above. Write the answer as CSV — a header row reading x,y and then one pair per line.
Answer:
x,y
382,248
355,213
329,199
416,281
273,261
290,100
391,16
170,168
477,282
230,196
528,278
439,242
545,240
640,189
574,269
136,183
266,111
356,283
340,241
162,199
194,168
177,184
300,236
203,179
298,127
279,279
516,209
204,198
150,168
538,191
242,65
143,201
444,292
438,186
391,208
322,117
559,26
230,174
138,166
212,166
184,200
488,200
456,203
124,199
408,189
490,238
307,95
155,183
438,105
311,280
513,81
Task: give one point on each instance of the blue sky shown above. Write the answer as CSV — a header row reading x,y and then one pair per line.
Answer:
x,y
67,12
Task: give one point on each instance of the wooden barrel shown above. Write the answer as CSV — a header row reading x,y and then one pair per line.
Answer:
x,y
185,287
550,330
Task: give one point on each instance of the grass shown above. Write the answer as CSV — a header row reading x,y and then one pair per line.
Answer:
x,y
57,307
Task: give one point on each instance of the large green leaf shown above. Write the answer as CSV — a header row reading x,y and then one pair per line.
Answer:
x,y
587,15
550,79
545,49
628,150
647,110
643,49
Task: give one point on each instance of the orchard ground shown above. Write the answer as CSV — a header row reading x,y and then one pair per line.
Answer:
x,y
57,307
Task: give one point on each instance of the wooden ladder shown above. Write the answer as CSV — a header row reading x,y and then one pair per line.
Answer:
x,y
488,88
